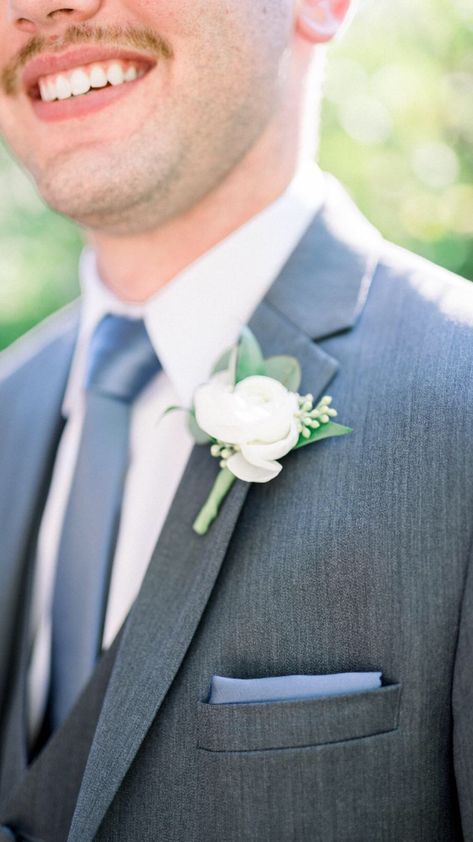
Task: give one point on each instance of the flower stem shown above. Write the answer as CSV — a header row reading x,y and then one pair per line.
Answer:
x,y
209,511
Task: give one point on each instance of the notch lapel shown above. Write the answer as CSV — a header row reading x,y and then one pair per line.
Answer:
x,y
184,566
175,592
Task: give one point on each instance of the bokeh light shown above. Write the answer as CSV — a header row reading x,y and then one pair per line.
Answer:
x,y
397,123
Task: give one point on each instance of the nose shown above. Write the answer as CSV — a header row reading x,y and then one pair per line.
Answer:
x,y
48,16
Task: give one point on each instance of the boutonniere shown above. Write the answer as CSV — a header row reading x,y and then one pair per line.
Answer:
x,y
251,414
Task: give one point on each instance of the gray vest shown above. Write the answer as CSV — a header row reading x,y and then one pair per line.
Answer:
x,y
40,804
38,794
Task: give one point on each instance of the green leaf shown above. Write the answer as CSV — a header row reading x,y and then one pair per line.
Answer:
x,y
227,361
169,410
325,431
223,361
285,369
199,436
250,359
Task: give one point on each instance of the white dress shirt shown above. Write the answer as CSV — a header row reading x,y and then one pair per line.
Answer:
x,y
190,322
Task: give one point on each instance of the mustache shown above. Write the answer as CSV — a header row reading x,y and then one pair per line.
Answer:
x,y
125,37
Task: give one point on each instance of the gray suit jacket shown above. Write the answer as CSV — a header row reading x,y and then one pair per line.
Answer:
x,y
358,557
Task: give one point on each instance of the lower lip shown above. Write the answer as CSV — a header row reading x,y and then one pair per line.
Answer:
x,y
81,106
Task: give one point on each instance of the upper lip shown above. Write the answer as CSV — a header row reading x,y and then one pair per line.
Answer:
x,y
48,64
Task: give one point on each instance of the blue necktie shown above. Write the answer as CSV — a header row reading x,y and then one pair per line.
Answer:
x,y
121,363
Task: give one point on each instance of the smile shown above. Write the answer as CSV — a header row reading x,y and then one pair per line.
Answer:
x,y
81,80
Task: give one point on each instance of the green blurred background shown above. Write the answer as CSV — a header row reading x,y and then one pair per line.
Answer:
x,y
397,129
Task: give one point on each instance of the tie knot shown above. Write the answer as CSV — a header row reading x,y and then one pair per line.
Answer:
x,y
122,359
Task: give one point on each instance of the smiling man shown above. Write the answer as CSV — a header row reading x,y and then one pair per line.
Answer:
x,y
304,669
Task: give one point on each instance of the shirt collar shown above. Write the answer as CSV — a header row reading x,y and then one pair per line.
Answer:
x,y
200,313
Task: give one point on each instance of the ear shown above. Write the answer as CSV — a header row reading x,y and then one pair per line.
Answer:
x,y
319,21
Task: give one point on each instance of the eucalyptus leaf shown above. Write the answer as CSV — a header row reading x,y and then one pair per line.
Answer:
x,y
227,362
325,431
233,364
199,436
171,409
250,359
285,369
223,362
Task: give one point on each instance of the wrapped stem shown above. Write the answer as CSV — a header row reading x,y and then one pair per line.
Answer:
x,y
209,511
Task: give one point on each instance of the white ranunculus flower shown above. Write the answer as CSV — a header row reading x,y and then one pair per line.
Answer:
x,y
258,415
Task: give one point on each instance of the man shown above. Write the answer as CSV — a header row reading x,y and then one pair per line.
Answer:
x,y
178,134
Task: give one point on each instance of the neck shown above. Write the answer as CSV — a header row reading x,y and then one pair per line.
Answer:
x,y
136,267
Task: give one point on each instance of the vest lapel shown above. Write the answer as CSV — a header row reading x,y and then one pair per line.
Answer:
x,y
41,805
329,267
27,449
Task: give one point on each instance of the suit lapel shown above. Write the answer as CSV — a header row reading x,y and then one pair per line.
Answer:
x,y
176,589
184,566
28,443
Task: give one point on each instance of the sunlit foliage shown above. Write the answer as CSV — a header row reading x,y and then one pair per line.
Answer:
x,y
397,129
398,123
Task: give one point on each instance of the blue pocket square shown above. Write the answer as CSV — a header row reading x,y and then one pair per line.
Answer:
x,y
284,687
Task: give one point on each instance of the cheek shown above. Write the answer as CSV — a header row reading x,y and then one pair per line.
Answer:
x,y
15,130
175,19
11,129
228,38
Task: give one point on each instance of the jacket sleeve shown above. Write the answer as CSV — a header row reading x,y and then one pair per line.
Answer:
x,y
462,703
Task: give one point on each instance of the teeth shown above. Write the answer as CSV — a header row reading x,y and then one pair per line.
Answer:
x,y
98,77
115,74
131,73
80,80
50,90
63,87
44,90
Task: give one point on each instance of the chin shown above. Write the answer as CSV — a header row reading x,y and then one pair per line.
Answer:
x,y
103,208
133,203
